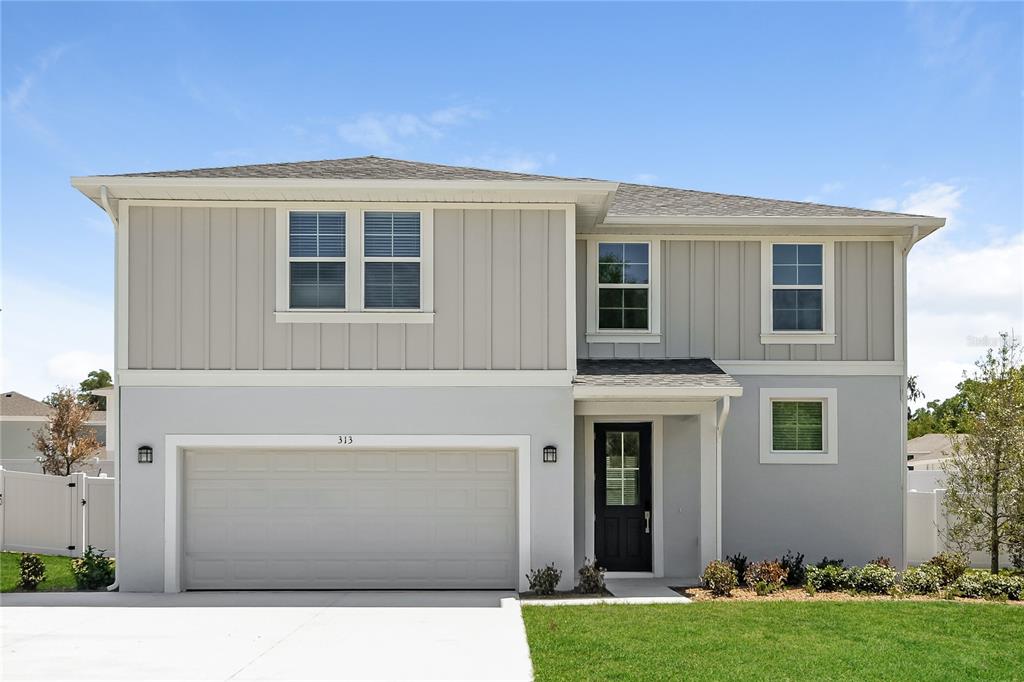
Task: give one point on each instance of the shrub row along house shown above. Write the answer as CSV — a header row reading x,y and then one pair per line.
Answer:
x,y
378,373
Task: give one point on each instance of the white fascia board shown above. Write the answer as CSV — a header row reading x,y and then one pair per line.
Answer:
x,y
344,378
654,392
831,222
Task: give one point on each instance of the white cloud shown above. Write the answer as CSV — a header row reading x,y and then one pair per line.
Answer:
x,y
52,335
959,296
514,162
386,132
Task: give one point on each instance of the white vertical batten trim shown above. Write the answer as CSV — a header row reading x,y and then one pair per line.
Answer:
x,y
175,446
570,288
177,288
121,285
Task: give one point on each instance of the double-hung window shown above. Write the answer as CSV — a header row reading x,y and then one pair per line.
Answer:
x,y
798,306
391,260
316,260
798,426
623,286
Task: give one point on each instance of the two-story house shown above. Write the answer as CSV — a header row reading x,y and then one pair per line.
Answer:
x,y
373,373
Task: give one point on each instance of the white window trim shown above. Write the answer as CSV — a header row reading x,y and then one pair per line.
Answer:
x,y
827,335
830,413
653,332
356,312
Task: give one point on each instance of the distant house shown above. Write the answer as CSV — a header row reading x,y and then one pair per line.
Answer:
x,y
21,417
928,452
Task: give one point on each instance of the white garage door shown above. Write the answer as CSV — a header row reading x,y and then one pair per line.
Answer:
x,y
289,519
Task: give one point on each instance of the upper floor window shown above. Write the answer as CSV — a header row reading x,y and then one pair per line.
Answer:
x,y
797,284
797,292
391,255
623,280
316,260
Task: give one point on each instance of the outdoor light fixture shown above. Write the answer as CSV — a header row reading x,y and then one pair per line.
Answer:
x,y
145,454
550,453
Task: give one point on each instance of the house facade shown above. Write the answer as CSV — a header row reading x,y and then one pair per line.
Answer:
x,y
373,373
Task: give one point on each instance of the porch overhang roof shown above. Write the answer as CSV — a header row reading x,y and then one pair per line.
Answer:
x,y
682,379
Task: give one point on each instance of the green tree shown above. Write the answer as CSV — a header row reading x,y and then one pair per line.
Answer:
x,y
98,378
985,473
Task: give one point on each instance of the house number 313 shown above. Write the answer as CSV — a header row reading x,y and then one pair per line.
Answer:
x,y
345,440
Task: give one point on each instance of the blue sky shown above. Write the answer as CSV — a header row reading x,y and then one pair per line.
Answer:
x,y
913,107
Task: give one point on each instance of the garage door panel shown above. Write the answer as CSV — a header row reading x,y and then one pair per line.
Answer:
x,y
334,520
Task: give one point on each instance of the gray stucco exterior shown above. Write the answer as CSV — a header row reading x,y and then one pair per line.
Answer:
x,y
150,414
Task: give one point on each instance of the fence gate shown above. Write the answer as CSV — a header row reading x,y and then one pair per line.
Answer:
x,y
46,514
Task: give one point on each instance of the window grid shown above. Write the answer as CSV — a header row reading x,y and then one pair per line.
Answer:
x,y
317,260
392,260
797,296
622,467
623,286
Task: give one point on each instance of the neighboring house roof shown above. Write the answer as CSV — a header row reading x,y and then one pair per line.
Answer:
x,y
693,373
930,446
14,404
628,199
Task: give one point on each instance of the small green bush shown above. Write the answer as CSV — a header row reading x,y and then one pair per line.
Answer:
x,y
544,580
739,564
875,578
796,571
971,584
924,579
985,585
826,562
93,571
720,578
951,566
32,571
830,578
591,578
766,576
881,561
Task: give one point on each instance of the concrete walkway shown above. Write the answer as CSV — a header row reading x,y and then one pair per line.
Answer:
x,y
262,636
647,587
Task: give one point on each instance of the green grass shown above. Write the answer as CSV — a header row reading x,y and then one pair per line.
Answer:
x,y
778,641
58,573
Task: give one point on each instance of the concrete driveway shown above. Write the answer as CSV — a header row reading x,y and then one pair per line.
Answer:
x,y
263,636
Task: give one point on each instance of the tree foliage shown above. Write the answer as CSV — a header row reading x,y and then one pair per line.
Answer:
x,y
985,473
65,441
98,378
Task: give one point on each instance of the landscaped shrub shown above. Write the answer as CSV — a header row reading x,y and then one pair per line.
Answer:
x,y
766,576
544,580
720,578
951,565
826,562
985,585
830,578
739,564
796,571
32,571
922,580
93,571
881,561
591,578
875,578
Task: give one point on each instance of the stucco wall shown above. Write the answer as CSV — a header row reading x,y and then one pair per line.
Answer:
x,y
149,414
852,510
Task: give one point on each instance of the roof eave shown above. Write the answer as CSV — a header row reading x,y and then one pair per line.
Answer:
x,y
655,392
927,223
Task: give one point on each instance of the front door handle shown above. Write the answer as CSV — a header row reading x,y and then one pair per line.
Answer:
x,y
647,522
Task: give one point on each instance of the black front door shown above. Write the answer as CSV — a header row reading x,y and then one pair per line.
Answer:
x,y
622,496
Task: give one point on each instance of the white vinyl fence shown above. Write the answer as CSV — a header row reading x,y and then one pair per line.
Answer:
x,y
56,514
927,520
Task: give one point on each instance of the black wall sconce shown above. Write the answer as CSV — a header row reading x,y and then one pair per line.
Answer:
x,y
145,454
550,453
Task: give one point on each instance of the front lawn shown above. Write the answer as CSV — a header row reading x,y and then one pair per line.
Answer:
x,y
58,573
777,641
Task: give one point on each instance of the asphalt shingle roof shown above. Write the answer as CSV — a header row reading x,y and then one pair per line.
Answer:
x,y
14,404
629,200
689,373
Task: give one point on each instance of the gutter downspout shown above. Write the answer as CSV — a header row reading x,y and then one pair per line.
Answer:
x,y
907,246
723,417
115,399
